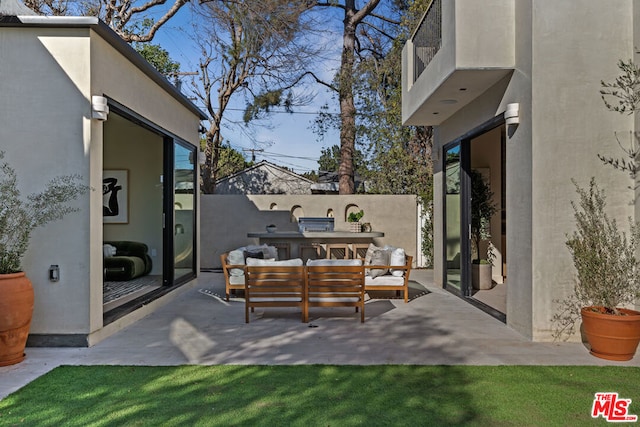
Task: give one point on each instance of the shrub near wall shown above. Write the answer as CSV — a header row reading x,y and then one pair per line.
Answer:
x,y
226,219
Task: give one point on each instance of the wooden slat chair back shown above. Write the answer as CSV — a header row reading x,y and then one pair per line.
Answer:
x,y
275,286
336,286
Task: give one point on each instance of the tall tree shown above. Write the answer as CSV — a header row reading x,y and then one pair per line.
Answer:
x,y
365,33
123,16
159,58
251,51
399,157
231,161
329,161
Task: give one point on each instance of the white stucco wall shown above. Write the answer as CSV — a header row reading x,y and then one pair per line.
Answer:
x,y
46,130
563,51
571,126
226,219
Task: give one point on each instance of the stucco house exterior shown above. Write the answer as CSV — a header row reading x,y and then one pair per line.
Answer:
x,y
512,90
264,178
76,99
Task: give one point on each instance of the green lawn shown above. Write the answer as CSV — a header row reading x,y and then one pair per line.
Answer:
x,y
318,395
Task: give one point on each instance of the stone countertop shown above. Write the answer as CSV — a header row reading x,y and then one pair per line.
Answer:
x,y
315,235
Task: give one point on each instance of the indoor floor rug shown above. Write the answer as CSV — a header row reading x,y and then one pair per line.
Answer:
x,y
115,290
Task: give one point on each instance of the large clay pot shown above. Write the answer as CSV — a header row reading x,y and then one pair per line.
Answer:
x,y
16,308
611,337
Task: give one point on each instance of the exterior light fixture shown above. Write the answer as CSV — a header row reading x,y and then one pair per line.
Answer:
x,y
512,114
99,108
54,273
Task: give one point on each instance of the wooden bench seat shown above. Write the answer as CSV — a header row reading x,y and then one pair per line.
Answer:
x,y
336,286
275,286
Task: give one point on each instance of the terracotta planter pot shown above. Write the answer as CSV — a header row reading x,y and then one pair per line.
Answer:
x,y
611,337
16,308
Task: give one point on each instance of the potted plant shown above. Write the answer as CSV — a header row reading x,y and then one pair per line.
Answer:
x,y
354,221
482,209
608,278
18,217
605,258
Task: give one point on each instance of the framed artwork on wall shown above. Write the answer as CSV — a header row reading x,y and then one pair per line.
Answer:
x,y
115,196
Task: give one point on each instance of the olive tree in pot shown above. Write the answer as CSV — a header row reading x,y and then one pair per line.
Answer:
x,y
482,209
608,278
18,217
606,258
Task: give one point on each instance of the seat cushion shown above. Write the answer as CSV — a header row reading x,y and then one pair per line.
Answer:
x,y
386,280
295,262
119,268
334,262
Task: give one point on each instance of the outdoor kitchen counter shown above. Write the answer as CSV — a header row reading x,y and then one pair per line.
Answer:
x,y
298,240
343,235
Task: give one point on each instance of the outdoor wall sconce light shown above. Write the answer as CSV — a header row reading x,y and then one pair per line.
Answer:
x,y
512,114
202,158
54,273
99,108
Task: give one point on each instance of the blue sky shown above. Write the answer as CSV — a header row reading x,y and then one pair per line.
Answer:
x,y
288,140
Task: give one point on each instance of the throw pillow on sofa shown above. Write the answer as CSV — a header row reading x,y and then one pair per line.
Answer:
x,y
397,258
379,257
236,258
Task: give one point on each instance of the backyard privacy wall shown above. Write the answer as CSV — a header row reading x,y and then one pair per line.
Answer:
x,y
226,219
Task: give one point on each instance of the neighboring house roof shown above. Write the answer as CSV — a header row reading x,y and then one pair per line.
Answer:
x,y
328,183
15,14
264,178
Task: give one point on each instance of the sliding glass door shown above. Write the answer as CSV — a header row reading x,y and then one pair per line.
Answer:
x,y
456,235
184,210
180,186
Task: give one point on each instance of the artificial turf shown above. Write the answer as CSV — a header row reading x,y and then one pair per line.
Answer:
x,y
318,395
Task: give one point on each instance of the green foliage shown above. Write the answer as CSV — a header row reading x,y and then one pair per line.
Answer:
x,y
231,161
625,89
624,93
329,160
18,216
355,216
604,256
316,395
608,272
159,58
263,103
482,209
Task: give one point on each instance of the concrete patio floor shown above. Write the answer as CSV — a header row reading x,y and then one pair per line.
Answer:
x,y
199,327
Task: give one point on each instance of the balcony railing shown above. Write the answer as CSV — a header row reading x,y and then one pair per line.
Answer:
x,y
427,39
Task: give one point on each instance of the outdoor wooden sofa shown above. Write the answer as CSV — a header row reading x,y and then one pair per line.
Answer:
x,y
395,278
304,287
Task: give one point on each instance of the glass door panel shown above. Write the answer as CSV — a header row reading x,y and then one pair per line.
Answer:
x,y
453,229
184,208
